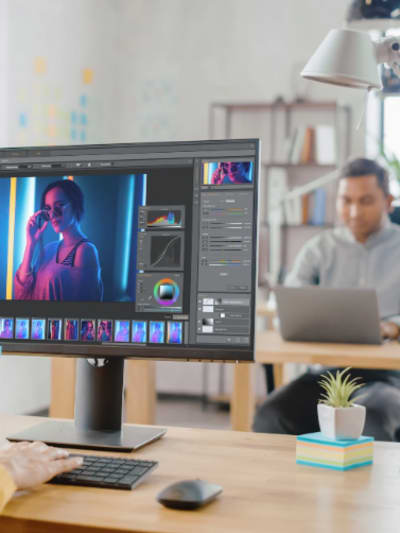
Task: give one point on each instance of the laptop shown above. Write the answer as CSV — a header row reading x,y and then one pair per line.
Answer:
x,y
319,314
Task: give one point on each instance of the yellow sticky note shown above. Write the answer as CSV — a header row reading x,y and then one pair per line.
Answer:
x,y
52,111
87,75
40,65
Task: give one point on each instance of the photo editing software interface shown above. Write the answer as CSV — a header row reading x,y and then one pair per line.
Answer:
x,y
134,249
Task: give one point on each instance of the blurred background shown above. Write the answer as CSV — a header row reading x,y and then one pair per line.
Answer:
x,y
108,71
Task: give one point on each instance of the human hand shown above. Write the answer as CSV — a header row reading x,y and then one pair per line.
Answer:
x,y
33,230
32,463
389,330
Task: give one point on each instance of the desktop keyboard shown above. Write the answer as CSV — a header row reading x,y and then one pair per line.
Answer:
x,y
106,472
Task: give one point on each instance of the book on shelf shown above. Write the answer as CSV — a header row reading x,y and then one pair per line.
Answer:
x,y
325,145
307,209
318,212
307,154
302,146
313,144
296,145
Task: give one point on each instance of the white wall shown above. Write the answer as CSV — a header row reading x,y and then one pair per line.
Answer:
x,y
184,54
157,65
24,384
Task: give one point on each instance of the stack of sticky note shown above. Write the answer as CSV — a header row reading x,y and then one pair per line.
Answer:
x,y
315,449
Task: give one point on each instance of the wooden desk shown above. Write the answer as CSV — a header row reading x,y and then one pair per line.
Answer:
x,y
264,490
271,348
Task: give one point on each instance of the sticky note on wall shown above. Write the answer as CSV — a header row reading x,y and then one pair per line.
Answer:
x,y
40,65
87,75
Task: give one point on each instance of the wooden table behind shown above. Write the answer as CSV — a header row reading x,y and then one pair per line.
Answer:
x,y
271,348
264,491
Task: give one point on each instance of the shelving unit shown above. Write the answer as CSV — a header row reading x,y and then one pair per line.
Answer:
x,y
277,117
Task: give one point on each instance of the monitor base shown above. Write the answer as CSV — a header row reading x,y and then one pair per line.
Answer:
x,y
66,435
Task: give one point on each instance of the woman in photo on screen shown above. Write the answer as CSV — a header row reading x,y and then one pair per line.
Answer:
x,y
157,333
37,329
104,331
6,331
22,330
66,269
123,332
88,330
70,330
139,333
54,329
175,333
231,172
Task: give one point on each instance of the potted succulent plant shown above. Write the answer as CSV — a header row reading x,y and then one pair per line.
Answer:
x,y
339,416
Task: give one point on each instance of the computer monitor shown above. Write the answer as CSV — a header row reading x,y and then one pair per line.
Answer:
x,y
128,250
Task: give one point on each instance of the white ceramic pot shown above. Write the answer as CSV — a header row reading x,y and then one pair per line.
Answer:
x,y
341,422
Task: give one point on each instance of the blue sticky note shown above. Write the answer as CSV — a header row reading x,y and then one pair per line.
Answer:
x,y
83,100
23,120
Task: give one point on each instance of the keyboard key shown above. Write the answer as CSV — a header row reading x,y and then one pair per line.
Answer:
x,y
87,478
129,479
138,471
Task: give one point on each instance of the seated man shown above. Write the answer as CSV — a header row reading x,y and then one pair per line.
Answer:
x,y
365,252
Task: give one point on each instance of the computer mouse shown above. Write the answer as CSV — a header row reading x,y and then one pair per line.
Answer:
x,y
189,494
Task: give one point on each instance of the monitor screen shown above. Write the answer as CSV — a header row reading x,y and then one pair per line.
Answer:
x,y
130,250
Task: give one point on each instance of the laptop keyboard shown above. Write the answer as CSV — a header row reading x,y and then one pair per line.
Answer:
x,y
106,472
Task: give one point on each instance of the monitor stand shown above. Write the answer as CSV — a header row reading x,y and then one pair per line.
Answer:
x,y
98,413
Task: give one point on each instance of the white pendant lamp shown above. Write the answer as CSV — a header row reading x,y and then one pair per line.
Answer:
x,y
350,58
345,57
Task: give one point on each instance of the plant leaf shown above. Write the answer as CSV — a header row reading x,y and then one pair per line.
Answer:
x,y
339,388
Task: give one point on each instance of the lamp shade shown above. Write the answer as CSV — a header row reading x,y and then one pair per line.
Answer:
x,y
345,57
